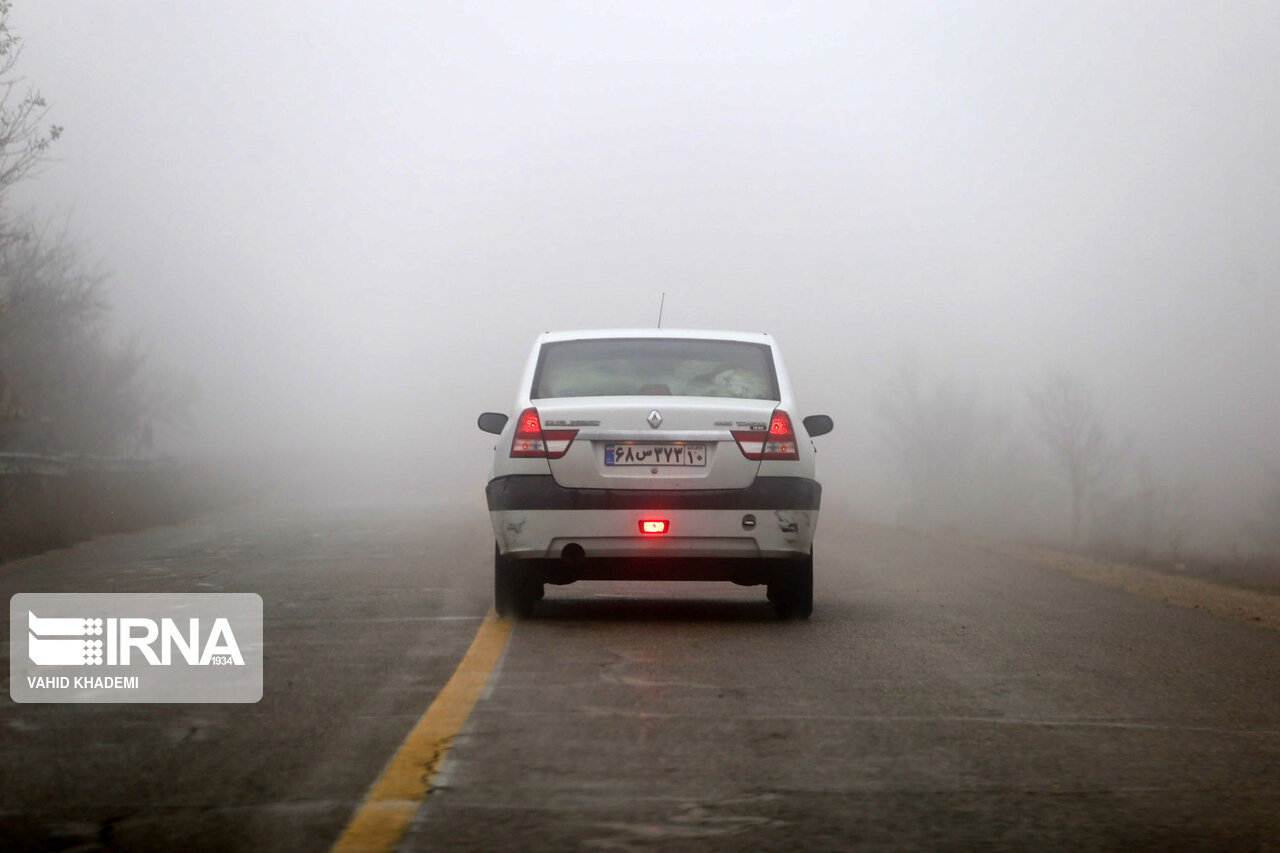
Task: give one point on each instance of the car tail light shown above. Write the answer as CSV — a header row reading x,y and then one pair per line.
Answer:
x,y
653,526
782,438
777,442
531,441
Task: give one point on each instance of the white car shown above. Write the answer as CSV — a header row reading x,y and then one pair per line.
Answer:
x,y
645,454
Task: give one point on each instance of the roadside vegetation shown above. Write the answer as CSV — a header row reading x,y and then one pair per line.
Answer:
x,y
1048,468
66,386
77,403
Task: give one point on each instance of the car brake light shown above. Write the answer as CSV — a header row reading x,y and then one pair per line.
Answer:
x,y
778,442
782,438
653,526
531,441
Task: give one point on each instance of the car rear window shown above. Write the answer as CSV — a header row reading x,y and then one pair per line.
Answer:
x,y
628,367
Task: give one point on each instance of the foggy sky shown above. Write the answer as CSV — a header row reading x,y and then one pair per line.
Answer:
x,y
349,220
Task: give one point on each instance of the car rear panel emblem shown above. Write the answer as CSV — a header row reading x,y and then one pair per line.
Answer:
x,y
655,419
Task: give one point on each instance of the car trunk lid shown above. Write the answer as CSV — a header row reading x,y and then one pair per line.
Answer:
x,y
654,442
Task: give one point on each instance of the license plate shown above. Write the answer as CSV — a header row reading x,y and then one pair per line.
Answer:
x,y
678,455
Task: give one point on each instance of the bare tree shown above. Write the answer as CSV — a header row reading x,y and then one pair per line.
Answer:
x,y
1166,511
1266,528
952,448
55,348
23,138
1065,415
83,390
23,141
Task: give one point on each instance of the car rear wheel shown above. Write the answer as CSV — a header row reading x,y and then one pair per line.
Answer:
x,y
514,592
791,591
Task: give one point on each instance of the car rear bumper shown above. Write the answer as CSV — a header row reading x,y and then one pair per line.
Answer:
x,y
535,518
542,492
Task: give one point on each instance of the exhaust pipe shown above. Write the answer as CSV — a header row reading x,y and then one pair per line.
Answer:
x,y
573,553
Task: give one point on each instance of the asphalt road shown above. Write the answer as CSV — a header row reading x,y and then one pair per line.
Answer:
x,y
941,697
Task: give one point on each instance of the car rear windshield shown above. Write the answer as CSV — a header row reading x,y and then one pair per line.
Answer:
x,y
629,367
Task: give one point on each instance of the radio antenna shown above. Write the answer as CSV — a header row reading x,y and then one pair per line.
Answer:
x,y
660,306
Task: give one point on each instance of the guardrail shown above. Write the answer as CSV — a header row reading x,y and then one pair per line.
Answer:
x,y
32,463
56,466
47,501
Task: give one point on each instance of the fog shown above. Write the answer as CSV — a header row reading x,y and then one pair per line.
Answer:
x,y
345,223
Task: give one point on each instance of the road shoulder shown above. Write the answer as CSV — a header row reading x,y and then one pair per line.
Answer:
x,y
1240,605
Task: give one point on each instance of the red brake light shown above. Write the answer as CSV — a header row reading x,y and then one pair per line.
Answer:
x,y
527,442
778,442
653,527
531,441
782,439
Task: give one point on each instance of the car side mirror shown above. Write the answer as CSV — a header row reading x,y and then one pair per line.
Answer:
x,y
492,422
817,425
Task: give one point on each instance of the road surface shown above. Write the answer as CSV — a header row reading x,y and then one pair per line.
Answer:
x,y
942,697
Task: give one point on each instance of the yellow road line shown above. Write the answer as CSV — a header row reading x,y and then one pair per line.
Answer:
x,y
383,817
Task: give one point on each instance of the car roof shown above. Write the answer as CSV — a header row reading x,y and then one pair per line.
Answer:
x,y
697,334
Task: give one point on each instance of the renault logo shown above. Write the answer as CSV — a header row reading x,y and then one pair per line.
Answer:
x,y
655,419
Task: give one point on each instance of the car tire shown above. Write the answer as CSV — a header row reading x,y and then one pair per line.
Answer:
x,y
792,590
513,592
